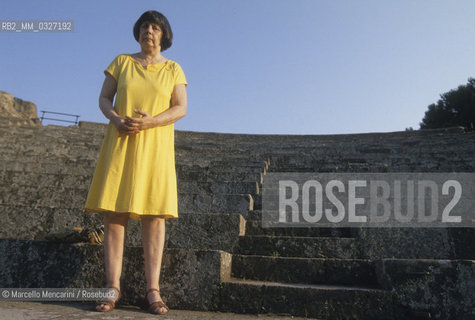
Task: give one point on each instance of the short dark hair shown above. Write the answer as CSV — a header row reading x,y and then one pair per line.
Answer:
x,y
158,18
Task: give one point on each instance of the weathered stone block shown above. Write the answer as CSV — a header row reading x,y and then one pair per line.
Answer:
x,y
411,243
190,230
190,278
445,289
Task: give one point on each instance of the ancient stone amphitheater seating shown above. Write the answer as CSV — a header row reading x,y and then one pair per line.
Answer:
x,y
218,256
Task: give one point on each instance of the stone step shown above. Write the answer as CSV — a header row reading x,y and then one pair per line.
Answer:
x,y
349,272
76,136
215,203
229,167
303,247
57,134
40,180
218,176
226,162
51,164
215,231
13,181
241,187
32,264
51,158
222,153
314,301
308,155
296,141
63,166
254,227
62,135
218,231
462,166
75,198
57,155
295,158
427,166
78,147
190,278
46,154
35,223
46,136
337,145
86,168
85,145
405,157
348,163
317,140
30,196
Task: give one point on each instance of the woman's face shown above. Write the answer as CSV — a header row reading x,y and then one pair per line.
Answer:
x,y
150,35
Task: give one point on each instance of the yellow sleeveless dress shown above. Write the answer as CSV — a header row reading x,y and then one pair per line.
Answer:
x,y
136,173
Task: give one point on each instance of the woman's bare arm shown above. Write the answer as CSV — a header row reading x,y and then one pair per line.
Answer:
x,y
109,89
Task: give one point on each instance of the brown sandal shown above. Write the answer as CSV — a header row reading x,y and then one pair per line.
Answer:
x,y
151,307
109,302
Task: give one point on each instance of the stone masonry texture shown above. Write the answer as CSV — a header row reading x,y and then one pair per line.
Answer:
x,y
218,257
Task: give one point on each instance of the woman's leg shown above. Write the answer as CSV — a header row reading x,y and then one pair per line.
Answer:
x,y
115,225
153,241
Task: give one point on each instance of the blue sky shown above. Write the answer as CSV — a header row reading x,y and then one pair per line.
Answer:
x,y
256,66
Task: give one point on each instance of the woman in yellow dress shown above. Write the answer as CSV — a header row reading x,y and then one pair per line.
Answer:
x,y
135,175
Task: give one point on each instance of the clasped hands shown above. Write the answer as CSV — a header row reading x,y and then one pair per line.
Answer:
x,y
133,125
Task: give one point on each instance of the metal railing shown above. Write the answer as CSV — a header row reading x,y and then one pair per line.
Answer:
x,y
76,121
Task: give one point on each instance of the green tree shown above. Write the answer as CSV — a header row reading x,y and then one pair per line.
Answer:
x,y
454,108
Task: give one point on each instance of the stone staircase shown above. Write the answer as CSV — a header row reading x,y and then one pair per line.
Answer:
x,y
227,260
349,273
309,272
45,176
46,172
